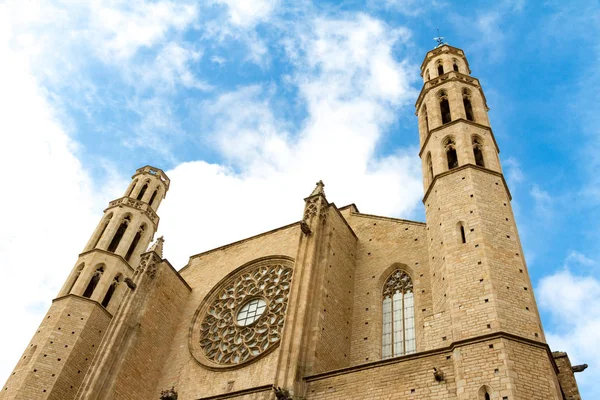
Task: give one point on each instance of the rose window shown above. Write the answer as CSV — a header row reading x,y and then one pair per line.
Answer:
x,y
243,317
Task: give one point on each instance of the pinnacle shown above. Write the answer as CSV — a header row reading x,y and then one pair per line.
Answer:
x,y
319,189
157,246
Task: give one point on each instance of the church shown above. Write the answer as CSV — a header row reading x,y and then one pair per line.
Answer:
x,y
339,305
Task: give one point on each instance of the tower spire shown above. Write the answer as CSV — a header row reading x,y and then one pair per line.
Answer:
x,y
319,189
157,246
439,39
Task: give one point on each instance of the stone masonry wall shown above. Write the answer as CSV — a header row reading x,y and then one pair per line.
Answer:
x,y
204,271
140,365
335,296
60,352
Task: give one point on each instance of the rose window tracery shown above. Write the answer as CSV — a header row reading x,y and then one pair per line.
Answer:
x,y
243,319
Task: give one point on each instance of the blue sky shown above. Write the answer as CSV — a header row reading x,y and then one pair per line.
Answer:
x,y
247,104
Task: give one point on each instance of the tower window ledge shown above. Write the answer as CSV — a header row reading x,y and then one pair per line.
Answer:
x,y
454,122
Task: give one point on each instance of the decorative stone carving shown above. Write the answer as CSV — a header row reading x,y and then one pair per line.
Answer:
x,y
579,368
221,336
438,375
130,284
282,394
311,208
170,394
305,228
148,264
399,281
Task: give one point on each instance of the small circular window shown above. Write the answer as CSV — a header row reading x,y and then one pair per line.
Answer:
x,y
250,312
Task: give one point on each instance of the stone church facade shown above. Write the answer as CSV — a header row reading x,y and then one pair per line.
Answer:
x,y
339,305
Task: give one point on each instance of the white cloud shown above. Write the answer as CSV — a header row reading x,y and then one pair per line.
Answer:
x,y
246,14
50,205
543,202
351,87
570,300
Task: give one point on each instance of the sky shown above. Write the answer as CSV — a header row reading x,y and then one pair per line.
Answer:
x,y
245,105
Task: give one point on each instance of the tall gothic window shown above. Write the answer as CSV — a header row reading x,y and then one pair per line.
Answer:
x,y
106,222
440,68
451,156
478,151
398,316
132,187
142,191
455,65
135,242
153,197
114,243
444,106
427,75
75,277
467,104
111,290
426,121
89,290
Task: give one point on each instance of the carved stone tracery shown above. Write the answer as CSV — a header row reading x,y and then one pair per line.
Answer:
x,y
224,342
399,281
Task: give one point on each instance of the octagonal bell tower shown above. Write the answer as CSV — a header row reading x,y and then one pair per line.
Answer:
x,y
60,353
480,284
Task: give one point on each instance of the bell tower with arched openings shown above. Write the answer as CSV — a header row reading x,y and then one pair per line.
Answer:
x,y
61,351
479,280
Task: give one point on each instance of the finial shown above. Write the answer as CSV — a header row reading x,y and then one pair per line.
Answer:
x,y
319,189
157,246
439,39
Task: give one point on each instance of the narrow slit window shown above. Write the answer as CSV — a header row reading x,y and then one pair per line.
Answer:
x,y
487,396
135,242
89,290
427,75
463,237
429,167
119,234
467,105
451,156
444,107
478,151
455,65
426,120
142,191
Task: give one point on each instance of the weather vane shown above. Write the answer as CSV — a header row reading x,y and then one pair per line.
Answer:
x,y
439,39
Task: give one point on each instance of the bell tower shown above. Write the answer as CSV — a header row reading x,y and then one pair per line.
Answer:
x,y
480,284
61,351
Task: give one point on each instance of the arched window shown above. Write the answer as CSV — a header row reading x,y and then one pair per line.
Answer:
x,y
106,222
135,241
429,168
119,234
398,315
142,191
450,148
75,277
89,290
478,151
427,75
467,104
440,68
132,187
485,393
444,106
153,197
111,290
455,64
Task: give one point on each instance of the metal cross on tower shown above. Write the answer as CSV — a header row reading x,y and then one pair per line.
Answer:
x,y
439,39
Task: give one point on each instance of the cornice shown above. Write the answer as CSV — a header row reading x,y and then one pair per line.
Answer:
x,y
461,168
428,353
454,122
83,299
238,393
446,48
451,76
391,219
136,205
85,253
